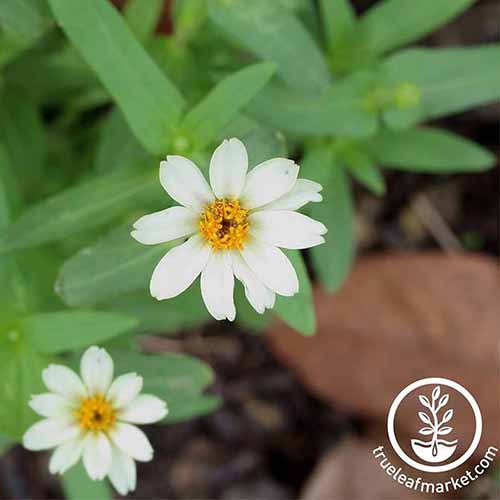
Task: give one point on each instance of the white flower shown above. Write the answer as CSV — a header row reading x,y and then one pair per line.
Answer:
x,y
91,417
236,227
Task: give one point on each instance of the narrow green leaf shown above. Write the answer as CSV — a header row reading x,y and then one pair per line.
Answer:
x,y
340,111
150,103
177,379
24,18
332,260
117,147
22,133
225,101
338,21
78,486
142,17
362,168
274,34
393,23
183,312
448,81
181,409
298,311
115,265
20,377
428,150
188,17
84,206
67,330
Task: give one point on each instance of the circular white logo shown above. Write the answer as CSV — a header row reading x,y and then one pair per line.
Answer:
x,y
436,419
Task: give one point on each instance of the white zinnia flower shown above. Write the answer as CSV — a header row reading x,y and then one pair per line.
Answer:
x,y
234,228
92,417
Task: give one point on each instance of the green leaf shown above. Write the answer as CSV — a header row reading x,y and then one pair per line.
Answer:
x,y
274,34
150,103
117,147
448,81
78,486
67,330
183,312
428,150
177,379
188,17
298,311
25,18
142,17
332,260
362,168
90,204
22,133
393,23
115,265
225,101
341,111
246,316
20,377
338,19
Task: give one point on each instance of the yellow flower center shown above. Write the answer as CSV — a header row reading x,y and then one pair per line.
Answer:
x,y
96,414
224,225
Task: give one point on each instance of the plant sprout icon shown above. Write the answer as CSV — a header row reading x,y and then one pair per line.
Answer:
x,y
437,449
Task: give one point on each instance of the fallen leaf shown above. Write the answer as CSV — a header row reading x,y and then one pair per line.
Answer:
x,y
397,319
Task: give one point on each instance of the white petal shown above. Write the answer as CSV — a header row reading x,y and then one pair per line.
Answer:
x,y
124,389
269,181
96,455
303,192
49,433
50,405
228,169
167,225
258,294
96,368
132,441
177,270
63,381
286,229
272,267
144,409
65,456
184,182
217,286
122,473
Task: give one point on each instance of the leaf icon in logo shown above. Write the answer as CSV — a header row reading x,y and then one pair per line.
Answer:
x,y
426,431
445,430
436,392
424,401
447,416
425,418
444,400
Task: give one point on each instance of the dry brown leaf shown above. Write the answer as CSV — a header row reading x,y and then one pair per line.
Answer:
x,y
400,318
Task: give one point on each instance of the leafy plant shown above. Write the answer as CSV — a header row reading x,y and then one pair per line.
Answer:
x,y
92,99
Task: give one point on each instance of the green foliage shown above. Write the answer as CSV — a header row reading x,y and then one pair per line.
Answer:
x,y
78,486
338,21
273,34
57,332
115,265
224,103
142,17
150,103
448,80
427,149
178,379
298,311
393,23
333,259
87,205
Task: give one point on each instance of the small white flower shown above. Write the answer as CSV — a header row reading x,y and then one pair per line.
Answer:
x,y
236,227
91,418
